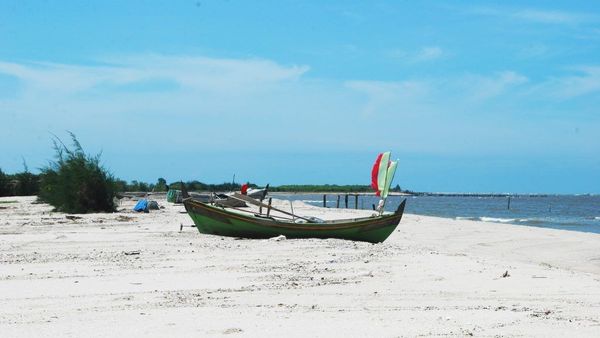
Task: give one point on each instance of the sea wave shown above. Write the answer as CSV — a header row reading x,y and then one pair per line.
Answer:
x,y
489,219
459,218
526,221
597,218
532,221
498,220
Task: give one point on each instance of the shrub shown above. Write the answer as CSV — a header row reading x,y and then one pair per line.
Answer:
x,y
4,188
161,185
120,185
19,184
27,184
76,182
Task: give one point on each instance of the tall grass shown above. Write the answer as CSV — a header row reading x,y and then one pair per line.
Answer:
x,y
75,182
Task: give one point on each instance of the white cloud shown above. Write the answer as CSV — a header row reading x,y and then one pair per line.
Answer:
x,y
384,97
387,89
217,103
586,81
481,88
536,15
549,16
425,54
429,53
199,73
534,50
94,99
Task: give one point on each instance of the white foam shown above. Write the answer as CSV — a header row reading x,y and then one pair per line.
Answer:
x,y
459,218
497,220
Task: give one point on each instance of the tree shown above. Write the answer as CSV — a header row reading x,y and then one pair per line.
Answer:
x,y
120,185
4,189
161,185
76,182
28,184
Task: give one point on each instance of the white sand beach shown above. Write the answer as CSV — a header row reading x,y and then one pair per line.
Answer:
x,y
129,275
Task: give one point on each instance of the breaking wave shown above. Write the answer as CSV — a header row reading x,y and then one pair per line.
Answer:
x,y
498,220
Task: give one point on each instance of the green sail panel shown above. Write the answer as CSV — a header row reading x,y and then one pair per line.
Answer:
x,y
383,168
391,170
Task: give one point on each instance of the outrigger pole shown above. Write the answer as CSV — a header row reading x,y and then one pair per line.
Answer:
x,y
251,200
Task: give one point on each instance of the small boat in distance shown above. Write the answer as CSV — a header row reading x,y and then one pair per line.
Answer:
x,y
258,193
220,199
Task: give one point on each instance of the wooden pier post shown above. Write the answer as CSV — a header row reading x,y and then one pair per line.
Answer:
x,y
346,200
324,201
337,205
508,203
356,201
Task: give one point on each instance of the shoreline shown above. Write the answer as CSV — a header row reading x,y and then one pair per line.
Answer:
x,y
132,274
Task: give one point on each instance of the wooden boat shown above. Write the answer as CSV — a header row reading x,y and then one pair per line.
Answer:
x,y
215,220
258,194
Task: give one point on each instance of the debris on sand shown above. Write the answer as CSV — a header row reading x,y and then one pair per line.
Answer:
x,y
123,218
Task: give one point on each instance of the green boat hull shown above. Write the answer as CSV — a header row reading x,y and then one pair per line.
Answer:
x,y
215,220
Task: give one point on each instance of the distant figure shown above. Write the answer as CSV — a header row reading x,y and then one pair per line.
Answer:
x,y
245,189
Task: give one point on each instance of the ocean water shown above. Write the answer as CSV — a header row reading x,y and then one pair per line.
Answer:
x,y
567,212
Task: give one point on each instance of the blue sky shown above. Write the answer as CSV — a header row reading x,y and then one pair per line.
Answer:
x,y
488,97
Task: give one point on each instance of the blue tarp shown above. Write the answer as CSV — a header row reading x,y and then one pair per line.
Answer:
x,y
142,205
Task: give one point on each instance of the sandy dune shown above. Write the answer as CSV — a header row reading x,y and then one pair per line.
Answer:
x,y
130,274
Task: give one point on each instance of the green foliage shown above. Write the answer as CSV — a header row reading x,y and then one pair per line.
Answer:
x,y
199,186
121,185
76,182
4,187
27,184
322,188
161,185
138,186
19,184
224,187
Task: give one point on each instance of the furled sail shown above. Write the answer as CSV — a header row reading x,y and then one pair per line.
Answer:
x,y
391,170
383,167
382,174
375,173
379,173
